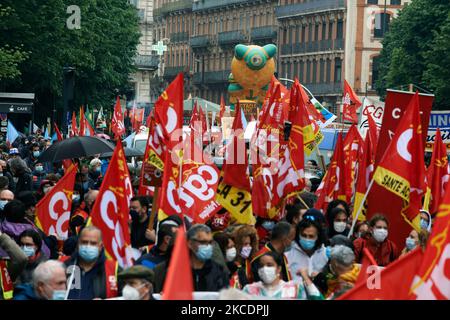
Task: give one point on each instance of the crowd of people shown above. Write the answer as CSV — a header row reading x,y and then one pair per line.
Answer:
x,y
306,255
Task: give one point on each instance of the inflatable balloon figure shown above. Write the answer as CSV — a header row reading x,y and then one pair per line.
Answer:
x,y
252,69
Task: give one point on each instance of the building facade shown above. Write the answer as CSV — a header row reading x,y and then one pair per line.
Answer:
x,y
146,62
320,42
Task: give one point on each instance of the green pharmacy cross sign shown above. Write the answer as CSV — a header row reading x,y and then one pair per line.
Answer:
x,y
160,48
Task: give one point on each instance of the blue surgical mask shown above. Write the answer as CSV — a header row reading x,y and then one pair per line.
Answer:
x,y
410,243
36,154
59,294
39,168
204,252
29,251
307,244
88,253
328,252
423,224
98,169
268,225
3,204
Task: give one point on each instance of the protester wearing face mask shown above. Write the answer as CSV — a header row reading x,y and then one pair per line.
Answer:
x,y
308,250
95,172
5,197
98,276
338,222
425,220
38,175
208,274
361,230
280,242
49,283
228,249
272,285
382,249
31,243
22,175
140,214
411,242
264,228
33,156
246,241
138,283
159,252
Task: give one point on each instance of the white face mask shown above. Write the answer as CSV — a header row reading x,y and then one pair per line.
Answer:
x,y
339,226
131,293
231,254
380,234
245,251
267,274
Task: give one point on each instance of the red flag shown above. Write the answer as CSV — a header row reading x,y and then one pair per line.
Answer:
x,y
351,103
437,173
203,120
81,132
74,130
117,124
222,106
365,173
153,164
332,182
53,211
179,283
352,143
111,209
367,261
58,133
392,283
235,168
432,279
169,111
402,168
373,132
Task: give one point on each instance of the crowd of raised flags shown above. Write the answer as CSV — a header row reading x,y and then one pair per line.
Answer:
x,y
260,179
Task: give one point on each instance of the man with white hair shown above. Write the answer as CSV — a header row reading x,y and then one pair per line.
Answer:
x,y
49,283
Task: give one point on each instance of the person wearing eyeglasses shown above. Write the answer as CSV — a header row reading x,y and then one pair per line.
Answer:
x,y
208,274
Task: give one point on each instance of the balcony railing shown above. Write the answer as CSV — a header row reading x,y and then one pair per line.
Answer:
x,y
211,77
199,41
316,89
212,4
231,37
170,72
173,6
179,37
146,62
267,32
308,7
314,46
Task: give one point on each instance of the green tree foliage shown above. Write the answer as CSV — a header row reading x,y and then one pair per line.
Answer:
x,y
415,49
101,50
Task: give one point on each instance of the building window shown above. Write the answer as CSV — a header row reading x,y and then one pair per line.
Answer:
x,y
308,71
314,72
321,71
328,73
241,21
340,29
303,33
285,41
337,70
310,33
297,34
301,72
375,68
330,30
372,1
290,35
295,69
283,69
316,32
396,2
381,19
324,29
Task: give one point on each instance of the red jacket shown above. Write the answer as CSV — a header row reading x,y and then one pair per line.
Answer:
x,y
384,253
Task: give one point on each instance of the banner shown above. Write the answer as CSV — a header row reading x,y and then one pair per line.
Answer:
x,y
395,105
375,109
441,120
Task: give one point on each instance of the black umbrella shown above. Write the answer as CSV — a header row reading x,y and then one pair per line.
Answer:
x,y
75,147
129,152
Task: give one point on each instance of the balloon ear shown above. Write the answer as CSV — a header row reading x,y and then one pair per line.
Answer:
x,y
239,51
271,50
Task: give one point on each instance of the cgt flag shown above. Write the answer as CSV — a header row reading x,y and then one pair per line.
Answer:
x,y
352,144
437,175
402,168
111,209
53,211
432,279
351,103
117,124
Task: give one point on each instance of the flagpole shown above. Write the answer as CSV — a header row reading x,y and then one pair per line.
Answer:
x,y
355,219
